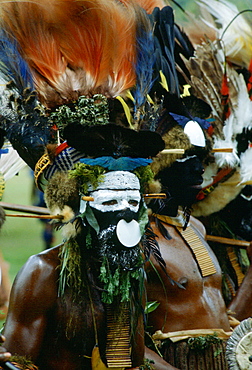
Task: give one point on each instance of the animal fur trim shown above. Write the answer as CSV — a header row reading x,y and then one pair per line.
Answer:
x,y
62,197
219,197
175,138
61,191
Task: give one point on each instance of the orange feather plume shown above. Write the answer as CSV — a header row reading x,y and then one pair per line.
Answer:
x,y
27,22
74,47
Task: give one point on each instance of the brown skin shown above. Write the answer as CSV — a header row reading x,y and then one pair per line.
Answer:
x,y
200,305
5,287
32,326
241,307
37,319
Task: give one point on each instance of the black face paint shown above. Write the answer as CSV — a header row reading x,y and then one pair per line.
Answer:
x,y
182,180
107,219
116,253
108,243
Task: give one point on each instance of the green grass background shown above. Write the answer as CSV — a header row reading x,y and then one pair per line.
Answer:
x,y
21,237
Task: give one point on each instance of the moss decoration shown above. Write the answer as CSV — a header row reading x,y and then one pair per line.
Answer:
x,y
87,111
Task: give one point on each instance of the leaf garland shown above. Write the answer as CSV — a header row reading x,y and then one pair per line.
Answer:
x,y
119,283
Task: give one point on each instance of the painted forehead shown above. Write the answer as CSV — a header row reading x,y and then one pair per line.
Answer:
x,y
119,180
119,190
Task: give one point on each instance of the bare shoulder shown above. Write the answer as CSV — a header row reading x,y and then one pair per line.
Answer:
x,y
44,261
33,298
37,279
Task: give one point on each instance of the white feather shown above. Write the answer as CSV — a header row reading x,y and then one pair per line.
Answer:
x,y
10,163
243,112
246,165
236,34
227,159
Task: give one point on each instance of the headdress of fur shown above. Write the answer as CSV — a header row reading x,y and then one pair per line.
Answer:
x,y
174,138
219,198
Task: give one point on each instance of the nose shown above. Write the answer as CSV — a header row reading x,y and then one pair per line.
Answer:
x,y
126,214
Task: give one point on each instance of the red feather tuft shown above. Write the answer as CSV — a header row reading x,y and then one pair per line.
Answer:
x,y
225,96
249,83
224,86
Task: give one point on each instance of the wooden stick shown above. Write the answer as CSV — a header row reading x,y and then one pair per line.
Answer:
x,y
87,199
173,151
155,195
243,244
23,208
234,183
45,217
222,150
182,151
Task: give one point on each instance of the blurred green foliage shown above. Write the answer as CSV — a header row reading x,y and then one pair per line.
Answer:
x,y
191,6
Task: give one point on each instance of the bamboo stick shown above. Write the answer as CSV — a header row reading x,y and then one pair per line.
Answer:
x,y
24,208
45,217
155,195
243,244
182,151
222,150
173,151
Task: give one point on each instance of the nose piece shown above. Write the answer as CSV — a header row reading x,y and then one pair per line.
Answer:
x,y
128,233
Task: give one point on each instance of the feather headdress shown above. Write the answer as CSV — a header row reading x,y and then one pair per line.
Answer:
x,y
232,28
54,52
75,48
66,61
219,75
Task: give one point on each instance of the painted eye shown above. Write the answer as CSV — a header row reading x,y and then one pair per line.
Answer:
x,y
109,202
133,202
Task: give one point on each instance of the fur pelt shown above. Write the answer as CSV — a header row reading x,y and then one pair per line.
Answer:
x,y
61,191
219,198
62,198
174,139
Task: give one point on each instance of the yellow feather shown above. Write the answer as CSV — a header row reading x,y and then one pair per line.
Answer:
x,y
129,95
186,91
163,81
126,110
150,100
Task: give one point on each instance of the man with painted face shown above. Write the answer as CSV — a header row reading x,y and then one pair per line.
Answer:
x,y
79,305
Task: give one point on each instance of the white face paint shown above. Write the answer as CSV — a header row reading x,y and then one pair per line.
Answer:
x,y
118,190
115,200
121,180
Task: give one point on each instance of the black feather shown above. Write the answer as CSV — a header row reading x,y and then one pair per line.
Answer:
x,y
151,246
164,38
113,140
164,232
29,134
